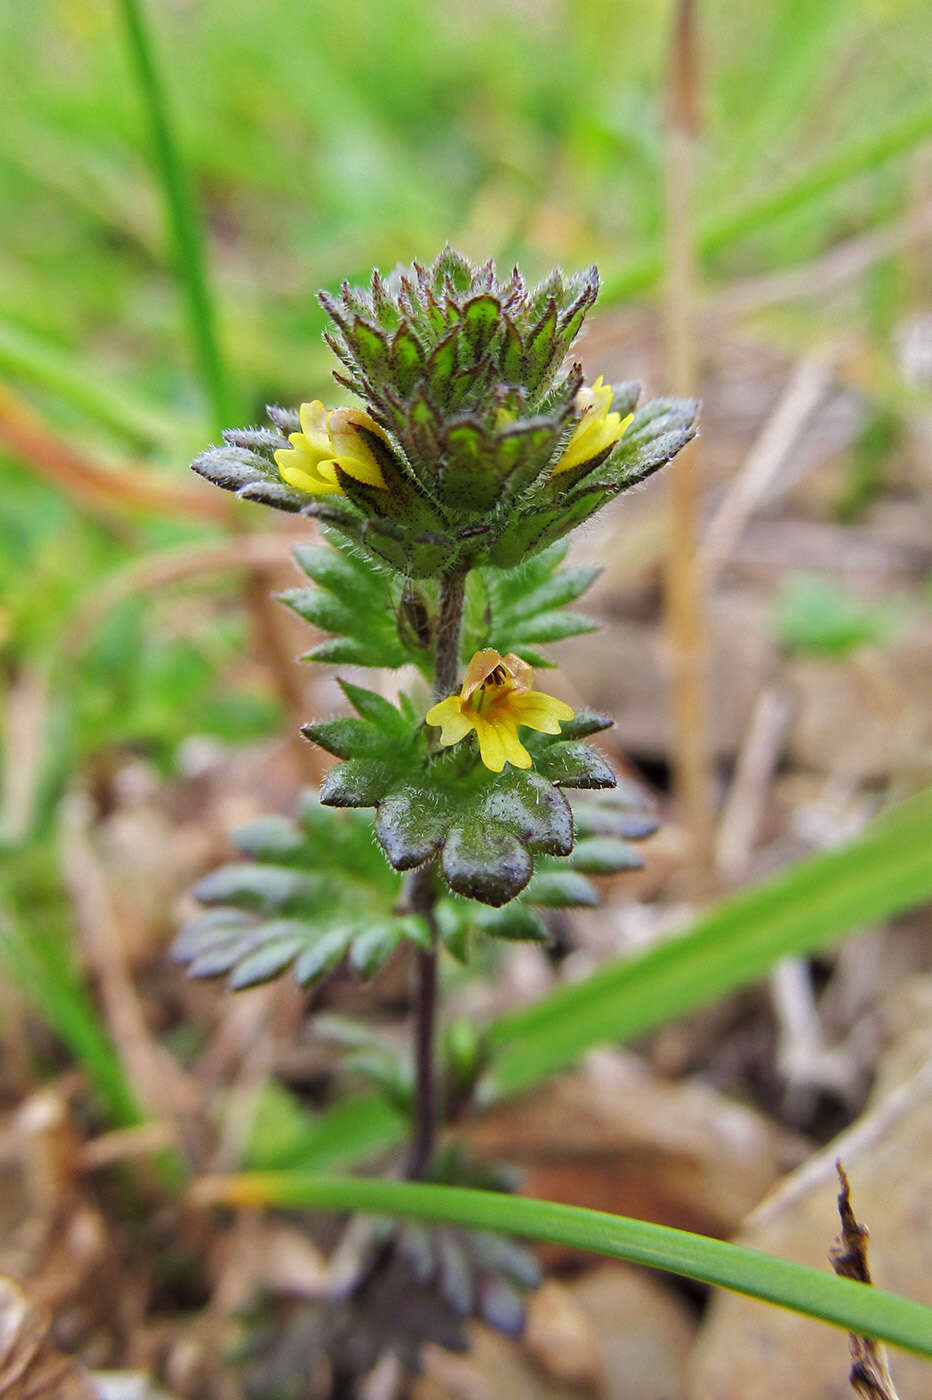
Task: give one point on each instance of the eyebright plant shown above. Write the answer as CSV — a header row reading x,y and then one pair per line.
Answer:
x,y
443,497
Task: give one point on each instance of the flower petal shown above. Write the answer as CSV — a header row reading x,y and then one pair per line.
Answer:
x,y
515,752
491,748
313,418
521,672
597,428
297,466
544,713
362,466
455,724
479,669
350,448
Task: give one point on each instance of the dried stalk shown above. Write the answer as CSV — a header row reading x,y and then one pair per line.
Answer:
x,y
134,487
870,1371
684,603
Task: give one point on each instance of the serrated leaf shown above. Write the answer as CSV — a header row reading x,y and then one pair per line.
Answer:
x,y
357,783
375,709
344,737
562,587
313,892
267,838
547,627
440,368
469,478
625,812
605,855
408,829
254,886
342,572
371,948
519,606
285,419
513,356
574,765
370,349
539,347
273,493
386,312
345,651
264,964
231,467
318,608
453,266
660,429
561,889
454,925
515,922
446,803
323,954
487,863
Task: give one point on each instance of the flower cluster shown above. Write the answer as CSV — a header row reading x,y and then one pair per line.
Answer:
x,y
472,448
477,442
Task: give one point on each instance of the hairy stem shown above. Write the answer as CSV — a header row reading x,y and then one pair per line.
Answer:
x,y
452,594
423,897
425,1021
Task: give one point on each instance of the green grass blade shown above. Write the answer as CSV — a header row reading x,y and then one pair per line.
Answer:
x,y
34,360
842,1302
886,870
724,231
52,986
183,216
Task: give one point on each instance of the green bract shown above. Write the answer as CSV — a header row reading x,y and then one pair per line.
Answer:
x,y
309,894
466,376
486,827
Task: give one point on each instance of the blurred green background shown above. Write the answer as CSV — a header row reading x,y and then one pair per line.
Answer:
x,y
322,138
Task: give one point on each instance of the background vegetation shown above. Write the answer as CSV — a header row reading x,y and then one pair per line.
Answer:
x,y
319,140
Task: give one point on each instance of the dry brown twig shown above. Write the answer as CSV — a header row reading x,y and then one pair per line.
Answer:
x,y
684,591
133,487
870,1371
768,456
31,1365
840,265
758,757
162,1085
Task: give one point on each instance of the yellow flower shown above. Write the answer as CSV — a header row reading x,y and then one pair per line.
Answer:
x,y
596,429
496,697
329,439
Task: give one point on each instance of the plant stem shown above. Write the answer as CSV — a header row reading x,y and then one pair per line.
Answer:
x,y
425,1020
452,594
423,897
